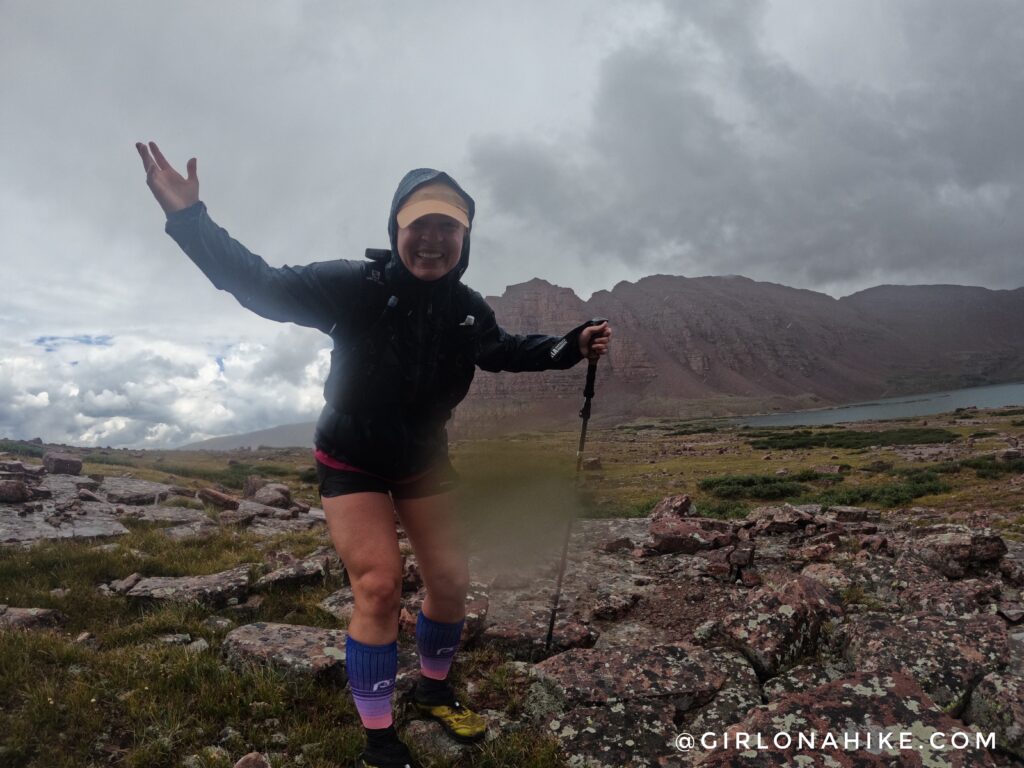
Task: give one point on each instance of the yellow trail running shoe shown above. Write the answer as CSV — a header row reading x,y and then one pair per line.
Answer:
x,y
461,723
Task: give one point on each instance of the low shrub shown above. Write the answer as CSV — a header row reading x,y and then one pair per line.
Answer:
x,y
853,438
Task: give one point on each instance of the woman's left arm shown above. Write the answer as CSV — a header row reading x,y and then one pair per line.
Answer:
x,y
502,351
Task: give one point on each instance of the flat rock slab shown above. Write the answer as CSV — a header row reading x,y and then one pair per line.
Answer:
x,y
688,676
129,490
256,509
201,529
23,525
269,527
214,590
292,649
624,705
802,677
159,514
641,734
521,632
66,487
947,598
997,705
862,706
30,618
945,654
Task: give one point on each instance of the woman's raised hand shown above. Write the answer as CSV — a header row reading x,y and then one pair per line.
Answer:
x,y
173,191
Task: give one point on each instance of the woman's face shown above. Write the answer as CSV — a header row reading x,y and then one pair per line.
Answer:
x,y
430,247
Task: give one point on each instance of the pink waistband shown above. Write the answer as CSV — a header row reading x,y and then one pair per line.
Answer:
x,y
329,461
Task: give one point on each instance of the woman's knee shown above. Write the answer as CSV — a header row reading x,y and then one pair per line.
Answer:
x,y
450,583
378,592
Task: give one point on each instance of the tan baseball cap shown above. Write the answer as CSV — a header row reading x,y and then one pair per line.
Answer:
x,y
433,198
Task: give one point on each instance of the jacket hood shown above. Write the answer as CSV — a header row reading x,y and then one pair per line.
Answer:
x,y
412,181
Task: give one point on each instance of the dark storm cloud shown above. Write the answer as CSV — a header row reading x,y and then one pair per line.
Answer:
x,y
708,152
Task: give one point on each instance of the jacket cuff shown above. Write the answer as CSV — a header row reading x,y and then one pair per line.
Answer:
x,y
185,216
566,353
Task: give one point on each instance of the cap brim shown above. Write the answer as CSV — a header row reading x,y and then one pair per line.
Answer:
x,y
418,210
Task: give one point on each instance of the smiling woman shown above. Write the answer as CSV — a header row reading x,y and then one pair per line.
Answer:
x,y
407,336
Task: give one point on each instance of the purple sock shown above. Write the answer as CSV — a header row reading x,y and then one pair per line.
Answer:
x,y
437,643
371,677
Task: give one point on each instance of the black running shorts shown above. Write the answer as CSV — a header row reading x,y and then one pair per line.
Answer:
x,y
339,482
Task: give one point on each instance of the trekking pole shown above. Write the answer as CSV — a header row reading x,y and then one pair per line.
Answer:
x,y
588,394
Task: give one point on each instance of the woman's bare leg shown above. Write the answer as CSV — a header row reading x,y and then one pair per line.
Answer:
x,y
362,528
437,540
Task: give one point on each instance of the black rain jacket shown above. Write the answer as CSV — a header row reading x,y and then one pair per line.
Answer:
x,y
405,350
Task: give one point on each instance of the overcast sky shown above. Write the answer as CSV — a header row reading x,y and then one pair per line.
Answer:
x,y
831,146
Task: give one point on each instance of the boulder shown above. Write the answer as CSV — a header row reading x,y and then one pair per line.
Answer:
x,y
956,550
30,618
672,506
997,705
14,492
274,495
687,676
690,534
252,484
129,490
779,625
218,499
253,760
61,463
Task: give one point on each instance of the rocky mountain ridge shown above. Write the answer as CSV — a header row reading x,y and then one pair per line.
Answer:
x,y
722,346
731,345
